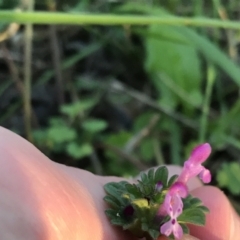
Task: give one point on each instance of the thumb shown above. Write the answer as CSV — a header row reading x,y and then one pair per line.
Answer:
x,y
222,223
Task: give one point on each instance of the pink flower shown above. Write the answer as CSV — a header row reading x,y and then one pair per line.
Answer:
x,y
174,209
193,166
173,206
177,191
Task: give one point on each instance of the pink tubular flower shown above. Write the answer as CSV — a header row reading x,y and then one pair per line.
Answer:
x,y
173,206
177,191
174,209
193,166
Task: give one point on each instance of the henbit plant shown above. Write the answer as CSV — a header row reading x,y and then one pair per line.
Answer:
x,y
157,205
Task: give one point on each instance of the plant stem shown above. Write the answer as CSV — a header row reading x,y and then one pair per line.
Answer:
x,y
40,17
28,75
211,74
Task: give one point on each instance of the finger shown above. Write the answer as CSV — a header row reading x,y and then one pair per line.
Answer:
x,y
222,223
50,204
96,188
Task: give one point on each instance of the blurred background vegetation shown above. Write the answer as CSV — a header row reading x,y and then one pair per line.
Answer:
x,y
116,100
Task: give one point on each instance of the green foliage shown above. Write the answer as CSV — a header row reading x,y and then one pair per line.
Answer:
x,y
73,135
94,125
166,46
229,177
79,151
61,134
74,109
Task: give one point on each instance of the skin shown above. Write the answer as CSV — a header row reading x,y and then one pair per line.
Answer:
x,y
43,200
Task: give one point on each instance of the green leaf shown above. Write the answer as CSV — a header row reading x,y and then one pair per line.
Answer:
x,y
185,228
144,226
195,202
111,213
133,189
144,178
72,110
115,190
118,221
176,82
154,233
214,54
204,46
78,151
229,177
57,121
172,180
194,216
146,189
151,176
161,175
61,134
203,209
94,125
112,201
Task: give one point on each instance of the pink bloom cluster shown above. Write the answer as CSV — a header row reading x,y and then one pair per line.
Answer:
x,y
173,204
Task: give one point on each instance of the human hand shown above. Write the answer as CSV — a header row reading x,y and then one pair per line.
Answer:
x,y
43,200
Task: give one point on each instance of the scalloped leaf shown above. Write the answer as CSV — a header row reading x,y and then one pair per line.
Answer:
x,y
134,190
111,213
115,190
203,209
185,228
145,227
146,189
161,174
194,216
151,175
172,180
144,178
112,201
195,202
117,221
154,233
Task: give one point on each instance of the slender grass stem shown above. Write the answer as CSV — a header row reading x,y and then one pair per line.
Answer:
x,y
28,75
211,75
40,17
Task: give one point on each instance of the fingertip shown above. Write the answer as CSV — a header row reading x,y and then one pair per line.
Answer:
x,y
221,220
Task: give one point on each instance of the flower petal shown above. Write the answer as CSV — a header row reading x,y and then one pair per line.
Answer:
x,y
205,175
177,206
200,153
177,231
179,188
167,228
